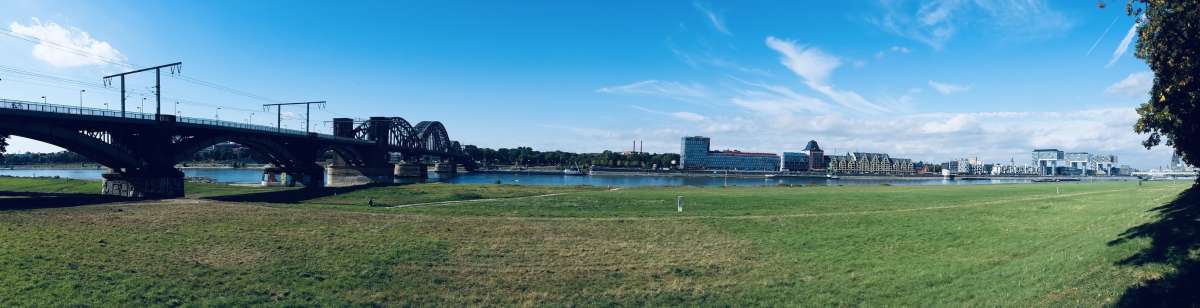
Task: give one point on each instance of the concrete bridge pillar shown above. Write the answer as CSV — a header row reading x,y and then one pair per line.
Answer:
x,y
275,176
445,169
411,172
336,176
162,183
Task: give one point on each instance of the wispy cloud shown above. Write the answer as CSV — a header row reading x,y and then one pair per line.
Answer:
x,y
66,46
697,61
1102,35
1135,84
713,18
682,115
935,23
668,89
1124,46
948,88
894,49
815,67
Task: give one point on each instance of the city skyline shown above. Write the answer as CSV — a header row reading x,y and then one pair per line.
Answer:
x,y
910,79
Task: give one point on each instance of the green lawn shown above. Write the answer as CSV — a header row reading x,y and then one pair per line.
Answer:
x,y
986,245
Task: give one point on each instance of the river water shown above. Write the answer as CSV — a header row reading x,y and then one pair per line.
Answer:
x,y
246,176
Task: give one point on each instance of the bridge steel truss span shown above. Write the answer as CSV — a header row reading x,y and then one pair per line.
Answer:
x,y
142,150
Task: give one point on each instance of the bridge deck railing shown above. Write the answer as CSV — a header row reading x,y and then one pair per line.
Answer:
x,y
87,111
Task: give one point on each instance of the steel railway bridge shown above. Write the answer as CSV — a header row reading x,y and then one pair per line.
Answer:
x,y
141,150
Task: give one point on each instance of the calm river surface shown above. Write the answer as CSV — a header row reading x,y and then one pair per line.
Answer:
x,y
244,176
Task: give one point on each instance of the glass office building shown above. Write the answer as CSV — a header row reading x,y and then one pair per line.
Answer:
x,y
695,154
795,161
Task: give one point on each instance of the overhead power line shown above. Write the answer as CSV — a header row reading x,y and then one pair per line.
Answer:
x,y
126,64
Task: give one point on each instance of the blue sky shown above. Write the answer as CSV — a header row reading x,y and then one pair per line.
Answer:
x,y
929,80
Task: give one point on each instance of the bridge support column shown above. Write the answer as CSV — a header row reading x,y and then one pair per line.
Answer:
x,y
309,178
445,169
336,176
166,183
275,176
411,172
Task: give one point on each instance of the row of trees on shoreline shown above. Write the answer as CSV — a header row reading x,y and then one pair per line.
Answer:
x,y
528,157
520,156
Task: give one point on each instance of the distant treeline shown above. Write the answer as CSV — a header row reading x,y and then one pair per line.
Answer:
x,y
218,154
63,157
526,156
521,156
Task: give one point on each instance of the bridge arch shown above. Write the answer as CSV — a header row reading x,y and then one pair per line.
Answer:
x,y
433,136
350,155
98,150
278,153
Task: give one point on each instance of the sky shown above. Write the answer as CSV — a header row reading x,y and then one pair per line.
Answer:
x,y
931,81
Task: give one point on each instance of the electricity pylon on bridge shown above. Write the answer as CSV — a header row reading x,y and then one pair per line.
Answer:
x,y
279,112
175,68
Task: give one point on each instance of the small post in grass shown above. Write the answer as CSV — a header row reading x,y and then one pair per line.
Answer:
x,y
679,204
1056,190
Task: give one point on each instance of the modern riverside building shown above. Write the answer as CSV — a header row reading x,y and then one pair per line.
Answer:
x,y
695,154
1047,160
811,159
1105,164
795,161
858,162
817,159
1052,162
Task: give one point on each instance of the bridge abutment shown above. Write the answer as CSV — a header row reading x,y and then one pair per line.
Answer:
x,y
411,172
336,176
446,169
311,178
153,185
275,176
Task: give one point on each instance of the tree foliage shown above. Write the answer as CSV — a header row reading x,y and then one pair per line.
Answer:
x,y
1169,42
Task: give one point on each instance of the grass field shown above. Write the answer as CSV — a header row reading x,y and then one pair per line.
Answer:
x,y
1078,244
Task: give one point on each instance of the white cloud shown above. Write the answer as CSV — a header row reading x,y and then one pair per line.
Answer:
x,y
931,137
935,23
682,115
815,66
954,124
1121,48
894,49
66,47
669,89
810,63
1135,84
713,18
716,62
993,136
947,88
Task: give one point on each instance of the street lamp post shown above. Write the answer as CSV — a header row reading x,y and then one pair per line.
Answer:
x,y
81,100
251,119
143,105
44,101
176,109
218,114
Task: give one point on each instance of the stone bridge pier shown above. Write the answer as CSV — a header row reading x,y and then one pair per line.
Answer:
x,y
446,169
154,183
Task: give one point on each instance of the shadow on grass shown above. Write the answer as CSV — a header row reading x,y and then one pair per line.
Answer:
x,y
291,196
1173,237
10,201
